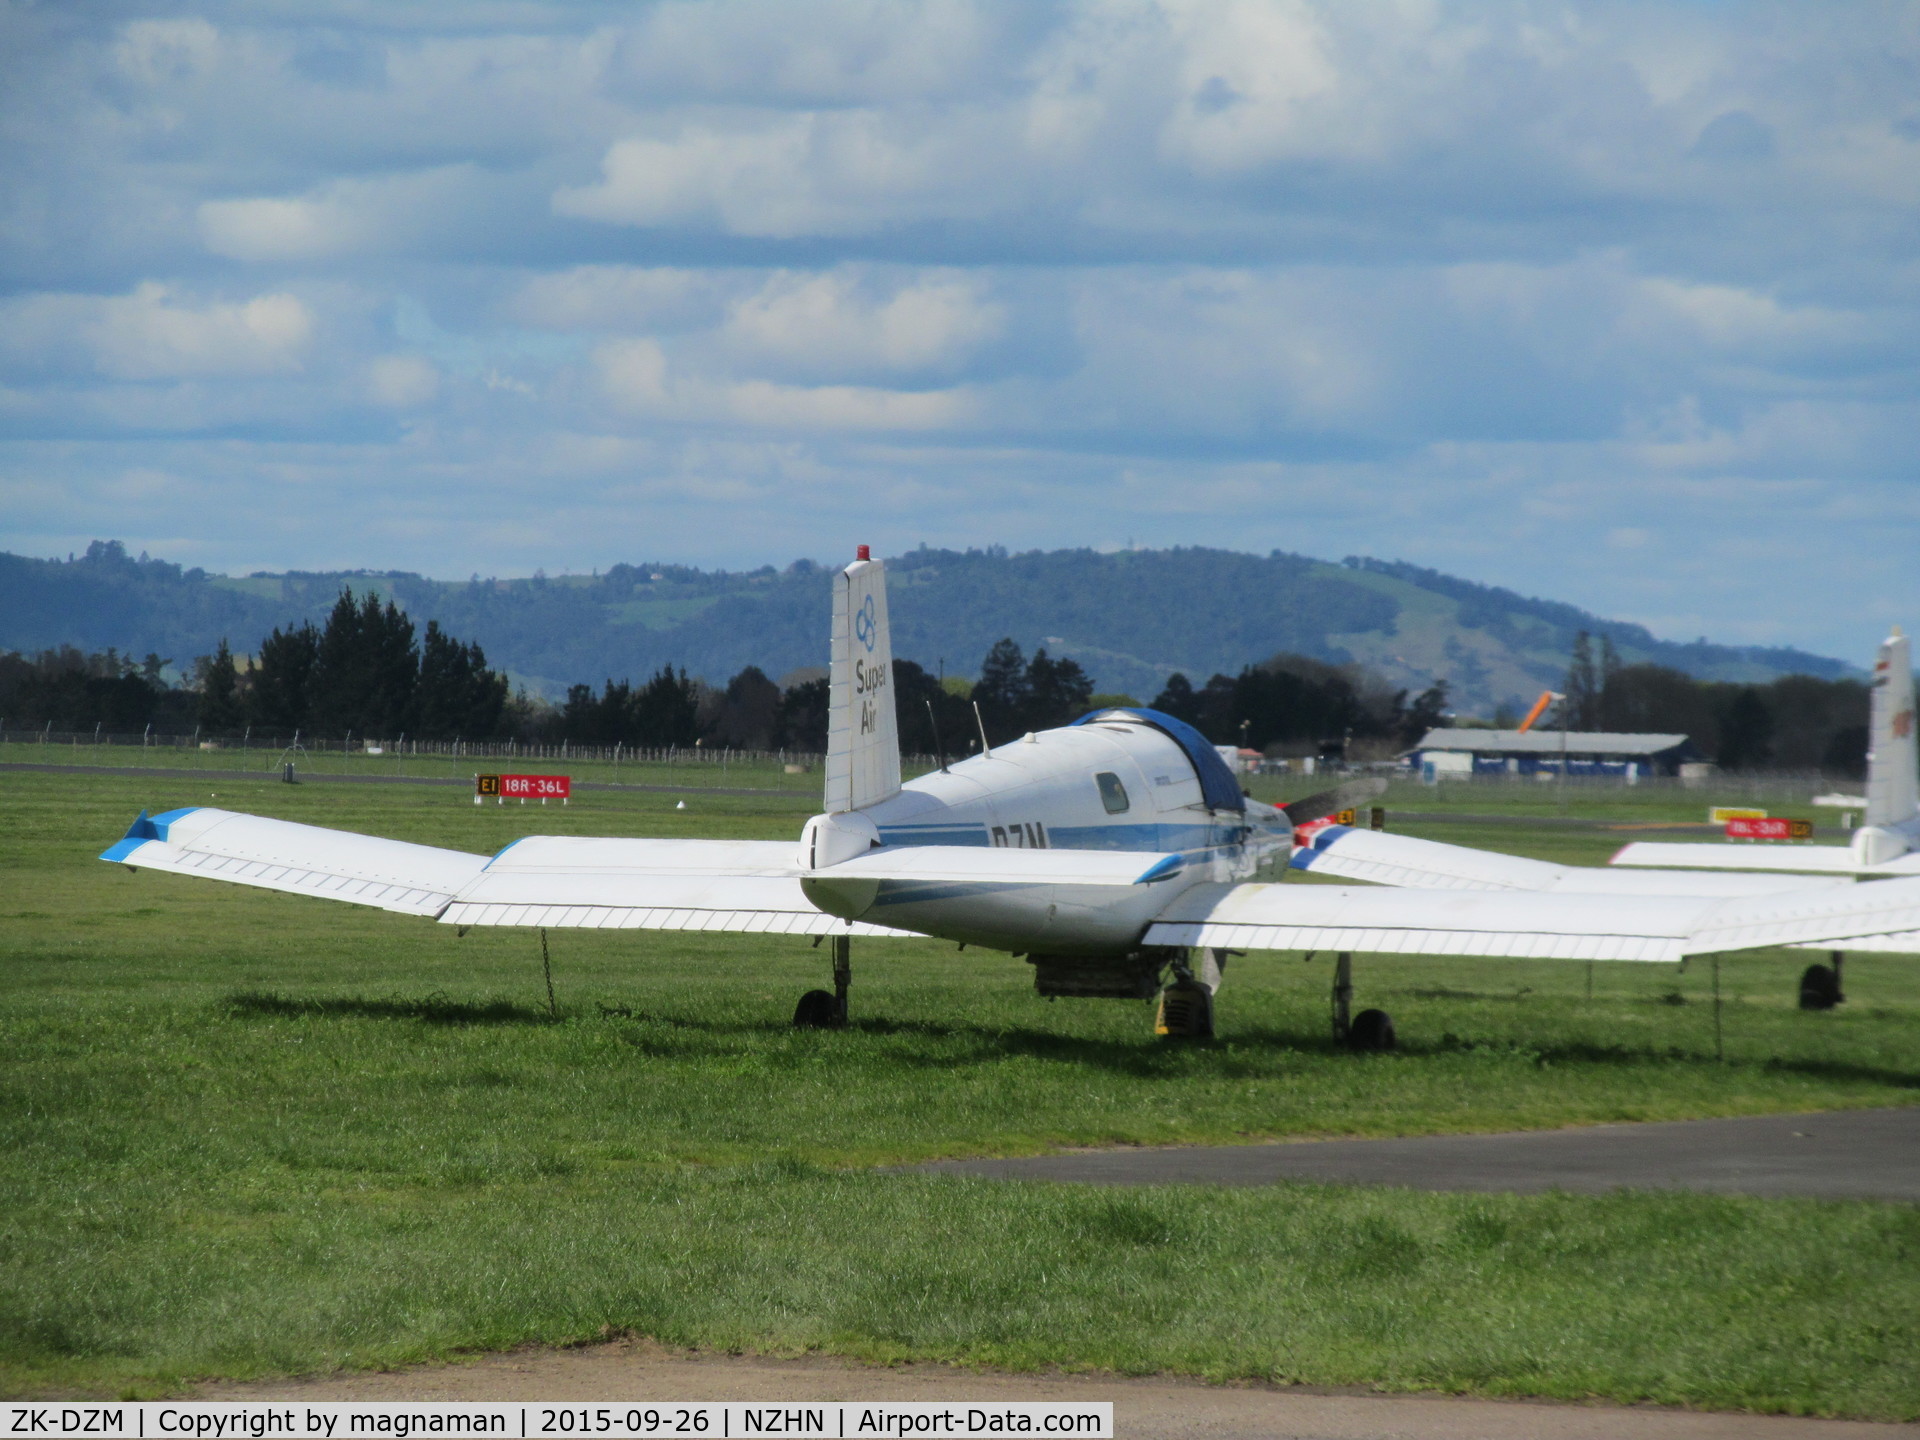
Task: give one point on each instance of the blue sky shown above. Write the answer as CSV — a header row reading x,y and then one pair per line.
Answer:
x,y
1610,303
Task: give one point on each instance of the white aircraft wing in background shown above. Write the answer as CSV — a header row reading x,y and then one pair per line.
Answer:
x,y
1406,862
1805,859
1525,926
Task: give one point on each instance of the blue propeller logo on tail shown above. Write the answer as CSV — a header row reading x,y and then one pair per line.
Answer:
x,y
866,624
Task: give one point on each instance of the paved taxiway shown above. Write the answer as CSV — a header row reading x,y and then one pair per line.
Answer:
x,y
1834,1155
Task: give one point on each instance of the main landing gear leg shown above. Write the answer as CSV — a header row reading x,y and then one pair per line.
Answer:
x,y
1342,997
823,1009
1370,1029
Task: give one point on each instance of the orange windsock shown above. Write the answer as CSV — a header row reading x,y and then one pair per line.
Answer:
x,y
1539,709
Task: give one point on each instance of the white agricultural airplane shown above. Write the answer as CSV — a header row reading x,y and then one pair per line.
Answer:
x,y
1107,853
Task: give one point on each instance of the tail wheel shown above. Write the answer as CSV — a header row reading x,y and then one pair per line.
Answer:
x,y
1371,1030
1819,988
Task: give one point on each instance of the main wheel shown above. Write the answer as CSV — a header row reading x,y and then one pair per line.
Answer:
x,y
818,1010
1819,988
1186,1012
1371,1030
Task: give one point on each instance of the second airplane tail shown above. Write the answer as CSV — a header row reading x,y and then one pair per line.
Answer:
x,y
1893,768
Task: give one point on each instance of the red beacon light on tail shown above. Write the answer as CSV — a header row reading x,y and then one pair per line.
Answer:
x,y
863,553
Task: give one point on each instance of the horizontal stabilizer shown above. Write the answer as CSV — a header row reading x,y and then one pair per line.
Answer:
x,y
1332,802
1407,862
563,882
1526,925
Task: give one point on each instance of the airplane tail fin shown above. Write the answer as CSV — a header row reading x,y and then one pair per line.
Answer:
x,y
863,733
1893,774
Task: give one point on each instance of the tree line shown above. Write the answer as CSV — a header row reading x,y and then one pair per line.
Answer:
x,y
368,671
1795,722
1297,703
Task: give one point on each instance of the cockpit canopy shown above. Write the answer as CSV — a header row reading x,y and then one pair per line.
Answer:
x,y
1217,785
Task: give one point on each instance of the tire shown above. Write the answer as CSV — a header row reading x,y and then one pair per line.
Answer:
x,y
1185,1012
1819,988
818,1010
1371,1030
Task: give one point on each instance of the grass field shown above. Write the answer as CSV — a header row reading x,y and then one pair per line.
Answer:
x,y
252,1133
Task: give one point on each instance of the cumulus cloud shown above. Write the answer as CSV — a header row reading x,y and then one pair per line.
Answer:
x,y
403,382
837,322
639,377
1459,284
155,333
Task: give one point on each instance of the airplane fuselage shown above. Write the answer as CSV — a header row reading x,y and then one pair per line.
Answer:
x,y
1110,783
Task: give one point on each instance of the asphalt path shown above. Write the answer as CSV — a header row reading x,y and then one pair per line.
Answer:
x,y
1165,1407
1834,1155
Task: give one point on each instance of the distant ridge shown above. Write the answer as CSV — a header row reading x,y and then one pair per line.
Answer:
x,y
1130,618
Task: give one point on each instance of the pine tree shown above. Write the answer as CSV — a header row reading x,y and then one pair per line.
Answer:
x,y
219,710
1177,699
666,710
278,698
365,669
1003,690
455,694
1057,692
1583,686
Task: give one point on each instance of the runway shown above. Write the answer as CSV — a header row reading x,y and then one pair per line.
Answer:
x,y
1833,1155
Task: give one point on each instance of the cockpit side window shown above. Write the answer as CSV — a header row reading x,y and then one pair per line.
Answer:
x,y
1113,794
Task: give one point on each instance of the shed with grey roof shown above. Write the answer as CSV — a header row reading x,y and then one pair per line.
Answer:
x,y
1444,754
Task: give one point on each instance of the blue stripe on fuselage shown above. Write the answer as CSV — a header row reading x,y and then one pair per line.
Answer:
x,y
1150,836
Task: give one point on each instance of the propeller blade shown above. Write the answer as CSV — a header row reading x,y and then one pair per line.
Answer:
x,y
1329,802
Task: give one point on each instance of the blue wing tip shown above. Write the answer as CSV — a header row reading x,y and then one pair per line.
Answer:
x,y
143,829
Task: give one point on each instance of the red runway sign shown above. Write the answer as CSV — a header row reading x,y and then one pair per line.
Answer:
x,y
525,787
1769,829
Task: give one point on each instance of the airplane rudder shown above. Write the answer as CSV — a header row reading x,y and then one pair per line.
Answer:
x,y
863,729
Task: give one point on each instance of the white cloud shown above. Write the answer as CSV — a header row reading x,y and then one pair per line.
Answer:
x,y
637,375
403,382
815,173
1461,283
162,52
618,297
836,323
157,334
386,212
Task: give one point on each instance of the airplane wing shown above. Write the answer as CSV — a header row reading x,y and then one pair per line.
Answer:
x,y
1526,925
1817,859
303,859
551,881
1406,862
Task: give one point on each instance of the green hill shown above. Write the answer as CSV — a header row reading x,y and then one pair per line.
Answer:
x,y
1130,618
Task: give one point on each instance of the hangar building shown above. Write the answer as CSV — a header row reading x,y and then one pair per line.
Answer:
x,y
1448,754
